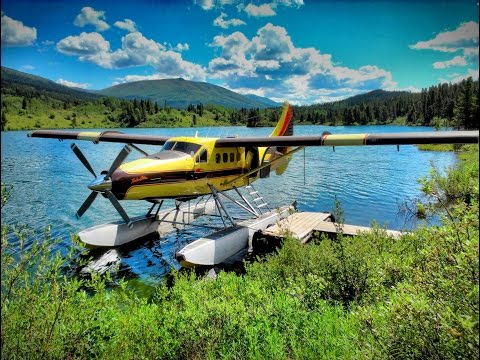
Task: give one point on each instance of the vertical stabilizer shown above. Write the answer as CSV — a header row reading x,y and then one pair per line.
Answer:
x,y
284,126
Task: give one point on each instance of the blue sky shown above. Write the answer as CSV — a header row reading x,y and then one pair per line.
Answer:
x,y
297,50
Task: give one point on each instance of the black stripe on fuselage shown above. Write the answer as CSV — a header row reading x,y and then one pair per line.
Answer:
x,y
122,181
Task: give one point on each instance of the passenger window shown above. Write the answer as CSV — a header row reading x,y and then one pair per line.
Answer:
x,y
202,157
232,157
217,158
238,156
225,157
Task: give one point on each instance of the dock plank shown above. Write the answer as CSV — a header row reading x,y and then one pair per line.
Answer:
x,y
301,225
298,225
351,230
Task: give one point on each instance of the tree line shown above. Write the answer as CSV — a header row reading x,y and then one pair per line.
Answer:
x,y
452,105
445,104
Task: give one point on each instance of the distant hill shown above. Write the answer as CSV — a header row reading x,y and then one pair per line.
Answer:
x,y
179,93
268,102
22,84
372,96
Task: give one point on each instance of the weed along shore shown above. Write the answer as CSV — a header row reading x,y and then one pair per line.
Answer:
x,y
369,296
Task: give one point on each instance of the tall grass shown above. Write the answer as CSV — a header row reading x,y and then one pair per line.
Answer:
x,y
368,297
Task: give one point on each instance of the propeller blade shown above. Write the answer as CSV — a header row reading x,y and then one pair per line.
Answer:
x,y
119,208
86,204
83,159
119,160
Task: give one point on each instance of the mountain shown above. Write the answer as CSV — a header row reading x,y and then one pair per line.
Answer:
x,y
268,102
179,93
373,96
23,84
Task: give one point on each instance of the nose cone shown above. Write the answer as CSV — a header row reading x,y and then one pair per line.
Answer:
x,y
100,184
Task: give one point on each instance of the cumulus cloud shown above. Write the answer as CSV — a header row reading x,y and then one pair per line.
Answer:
x,y
270,61
90,16
84,45
72,84
225,24
135,50
456,78
464,38
263,10
206,4
456,61
213,4
181,47
272,43
127,24
14,33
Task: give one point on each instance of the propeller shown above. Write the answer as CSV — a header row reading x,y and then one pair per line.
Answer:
x,y
103,183
83,159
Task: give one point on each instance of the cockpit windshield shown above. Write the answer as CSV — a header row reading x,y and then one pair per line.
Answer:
x,y
182,146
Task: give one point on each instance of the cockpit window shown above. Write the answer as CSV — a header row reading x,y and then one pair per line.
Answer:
x,y
182,146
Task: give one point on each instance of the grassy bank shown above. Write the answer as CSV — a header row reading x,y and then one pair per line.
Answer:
x,y
368,297
103,113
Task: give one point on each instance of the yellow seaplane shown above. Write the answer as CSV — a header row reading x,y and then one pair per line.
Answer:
x,y
189,167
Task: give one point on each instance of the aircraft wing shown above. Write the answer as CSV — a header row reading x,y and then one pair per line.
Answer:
x,y
326,139
105,136
399,138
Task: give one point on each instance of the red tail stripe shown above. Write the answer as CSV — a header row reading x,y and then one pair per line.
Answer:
x,y
287,120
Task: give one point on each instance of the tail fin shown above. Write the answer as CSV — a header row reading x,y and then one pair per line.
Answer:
x,y
284,126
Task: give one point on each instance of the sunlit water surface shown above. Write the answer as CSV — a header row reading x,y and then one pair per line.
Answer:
x,y
49,184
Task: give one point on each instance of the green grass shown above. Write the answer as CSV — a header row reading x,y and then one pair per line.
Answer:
x,y
94,114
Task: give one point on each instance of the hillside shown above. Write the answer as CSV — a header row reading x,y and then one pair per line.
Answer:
x,y
22,84
179,93
372,96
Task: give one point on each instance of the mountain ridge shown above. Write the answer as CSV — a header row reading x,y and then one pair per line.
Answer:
x,y
180,93
177,93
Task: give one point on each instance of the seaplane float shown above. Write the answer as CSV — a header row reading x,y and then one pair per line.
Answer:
x,y
201,173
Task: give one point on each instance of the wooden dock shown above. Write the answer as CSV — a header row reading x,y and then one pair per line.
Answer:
x,y
302,225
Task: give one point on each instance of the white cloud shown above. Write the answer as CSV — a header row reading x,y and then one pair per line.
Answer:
x,y
213,4
456,78
225,24
133,78
84,45
464,38
456,61
271,62
127,24
28,67
263,10
272,43
73,84
90,16
290,3
14,33
181,47
136,50
171,64
206,4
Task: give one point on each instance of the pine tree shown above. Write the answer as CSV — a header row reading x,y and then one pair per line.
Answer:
x,y
465,107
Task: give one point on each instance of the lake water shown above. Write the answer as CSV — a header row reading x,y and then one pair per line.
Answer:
x,y
49,185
